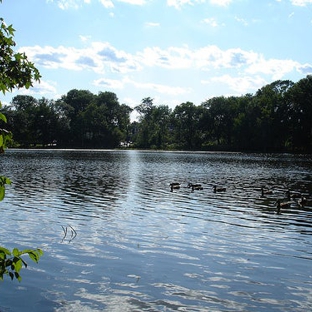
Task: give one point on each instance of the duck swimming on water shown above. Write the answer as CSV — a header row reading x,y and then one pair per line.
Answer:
x,y
293,195
265,192
174,186
218,189
195,186
302,201
280,204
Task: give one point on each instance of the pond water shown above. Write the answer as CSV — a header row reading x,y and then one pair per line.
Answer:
x,y
115,238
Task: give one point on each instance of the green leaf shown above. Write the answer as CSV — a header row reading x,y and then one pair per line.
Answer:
x,y
2,117
16,252
33,256
18,265
5,251
2,192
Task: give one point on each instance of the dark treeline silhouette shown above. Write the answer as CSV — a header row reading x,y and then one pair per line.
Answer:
x,y
277,118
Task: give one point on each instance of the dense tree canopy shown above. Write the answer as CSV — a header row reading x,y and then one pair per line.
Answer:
x,y
278,117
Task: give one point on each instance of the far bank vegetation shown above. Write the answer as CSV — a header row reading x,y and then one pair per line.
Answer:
x,y
277,118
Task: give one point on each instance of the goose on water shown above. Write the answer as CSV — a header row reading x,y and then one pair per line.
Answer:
x,y
293,195
174,186
195,186
302,201
218,189
280,204
265,192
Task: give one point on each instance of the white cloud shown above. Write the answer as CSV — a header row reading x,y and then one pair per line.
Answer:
x,y
76,4
69,4
241,20
151,24
211,21
221,2
109,83
301,2
212,57
160,88
107,3
272,67
171,58
98,57
102,57
163,89
305,69
179,3
84,38
240,85
42,88
134,2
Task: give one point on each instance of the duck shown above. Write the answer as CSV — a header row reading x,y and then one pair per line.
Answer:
x,y
218,189
280,204
293,195
265,192
195,186
174,186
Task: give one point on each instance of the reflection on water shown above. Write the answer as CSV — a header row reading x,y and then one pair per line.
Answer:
x,y
140,247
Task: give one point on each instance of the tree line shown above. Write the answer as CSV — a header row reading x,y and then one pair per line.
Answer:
x,y
277,118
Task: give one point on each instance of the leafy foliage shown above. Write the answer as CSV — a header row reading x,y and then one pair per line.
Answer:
x,y
11,263
16,71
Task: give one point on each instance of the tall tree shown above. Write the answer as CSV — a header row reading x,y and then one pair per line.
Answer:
x,y
300,97
222,113
145,115
78,100
186,121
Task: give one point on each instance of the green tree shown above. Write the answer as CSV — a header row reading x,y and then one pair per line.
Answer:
x,y
145,116
269,101
222,111
153,129
160,126
15,72
23,117
186,122
77,101
105,121
300,114
243,124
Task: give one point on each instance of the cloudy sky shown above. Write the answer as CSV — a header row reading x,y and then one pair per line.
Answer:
x,y
173,51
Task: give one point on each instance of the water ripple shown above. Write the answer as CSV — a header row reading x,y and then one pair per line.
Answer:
x,y
144,248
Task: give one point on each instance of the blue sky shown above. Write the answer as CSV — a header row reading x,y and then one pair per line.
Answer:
x,y
173,51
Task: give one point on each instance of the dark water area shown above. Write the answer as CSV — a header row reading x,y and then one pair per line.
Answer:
x,y
133,245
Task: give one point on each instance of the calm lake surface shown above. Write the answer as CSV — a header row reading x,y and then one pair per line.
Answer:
x,y
115,238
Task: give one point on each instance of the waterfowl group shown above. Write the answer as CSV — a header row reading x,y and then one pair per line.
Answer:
x,y
192,186
195,186
290,196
